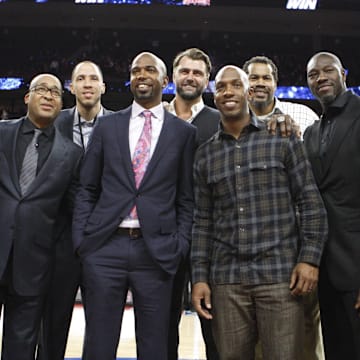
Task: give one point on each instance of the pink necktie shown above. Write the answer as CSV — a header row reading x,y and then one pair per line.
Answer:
x,y
142,155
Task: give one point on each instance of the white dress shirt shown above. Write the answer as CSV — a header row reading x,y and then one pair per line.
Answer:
x,y
136,125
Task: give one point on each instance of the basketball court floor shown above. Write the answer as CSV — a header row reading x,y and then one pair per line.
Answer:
x,y
191,341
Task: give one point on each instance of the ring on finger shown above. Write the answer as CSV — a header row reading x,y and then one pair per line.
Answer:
x,y
280,119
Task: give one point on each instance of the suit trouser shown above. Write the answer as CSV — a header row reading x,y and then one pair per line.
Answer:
x,y
121,264
22,316
340,322
59,303
180,281
244,313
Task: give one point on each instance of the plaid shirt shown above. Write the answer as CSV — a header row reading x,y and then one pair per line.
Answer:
x,y
245,223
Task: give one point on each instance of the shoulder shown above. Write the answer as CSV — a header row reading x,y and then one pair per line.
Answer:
x,y
178,123
9,125
354,100
209,113
113,117
68,143
107,112
65,115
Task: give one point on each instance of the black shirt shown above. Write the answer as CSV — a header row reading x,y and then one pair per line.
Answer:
x,y
25,135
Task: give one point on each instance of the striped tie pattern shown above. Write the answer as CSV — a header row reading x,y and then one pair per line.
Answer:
x,y
29,165
142,155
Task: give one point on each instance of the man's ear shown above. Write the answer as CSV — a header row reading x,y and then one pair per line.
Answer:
x,y
26,98
72,89
165,82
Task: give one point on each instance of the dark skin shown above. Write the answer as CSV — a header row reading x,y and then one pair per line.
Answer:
x,y
231,99
327,80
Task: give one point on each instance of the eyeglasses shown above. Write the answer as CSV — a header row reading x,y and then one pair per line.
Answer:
x,y
43,90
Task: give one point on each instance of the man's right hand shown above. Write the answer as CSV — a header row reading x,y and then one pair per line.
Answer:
x,y
201,299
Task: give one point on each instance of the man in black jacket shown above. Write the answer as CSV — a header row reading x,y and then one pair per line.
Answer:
x,y
333,148
191,73
76,124
38,168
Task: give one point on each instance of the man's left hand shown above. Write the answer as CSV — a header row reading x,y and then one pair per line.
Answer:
x,y
304,279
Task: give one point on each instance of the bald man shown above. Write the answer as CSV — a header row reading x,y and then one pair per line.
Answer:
x,y
38,168
133,216
333,148
250,264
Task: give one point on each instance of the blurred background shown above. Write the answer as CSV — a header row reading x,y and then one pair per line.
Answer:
x,y
52,36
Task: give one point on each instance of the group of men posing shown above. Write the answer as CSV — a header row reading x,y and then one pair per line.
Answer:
x,y
112,201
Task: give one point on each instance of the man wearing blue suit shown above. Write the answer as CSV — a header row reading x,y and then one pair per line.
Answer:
x,y
38,168
131,233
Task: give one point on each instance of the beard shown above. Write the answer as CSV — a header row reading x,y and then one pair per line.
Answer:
x,y
186,95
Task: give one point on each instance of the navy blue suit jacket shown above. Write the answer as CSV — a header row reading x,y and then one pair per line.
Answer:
x,y
164,199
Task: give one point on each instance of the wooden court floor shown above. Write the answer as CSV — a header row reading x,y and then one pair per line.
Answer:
x,y
191,342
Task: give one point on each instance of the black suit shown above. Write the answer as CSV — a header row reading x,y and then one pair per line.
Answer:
x,y
27,242
207,123
65,279
337,172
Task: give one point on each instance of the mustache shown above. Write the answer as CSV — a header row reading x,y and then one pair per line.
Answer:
x,y
258,87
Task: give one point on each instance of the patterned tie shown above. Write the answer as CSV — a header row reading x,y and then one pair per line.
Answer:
x,y
141,155
29,165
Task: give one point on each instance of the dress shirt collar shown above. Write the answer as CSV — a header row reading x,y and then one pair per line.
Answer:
x,y
91,122
195,109
29,127
157,111
276,109
255,124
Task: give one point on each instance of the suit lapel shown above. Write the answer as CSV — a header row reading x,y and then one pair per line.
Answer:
x,y
70,124
161,146
54,161
124,147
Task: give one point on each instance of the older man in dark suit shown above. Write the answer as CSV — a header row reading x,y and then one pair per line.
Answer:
x,y
133,216
76,123
38,165
334,152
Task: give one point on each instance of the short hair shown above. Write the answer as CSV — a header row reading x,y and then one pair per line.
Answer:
x,y
193,54
86,62
262,60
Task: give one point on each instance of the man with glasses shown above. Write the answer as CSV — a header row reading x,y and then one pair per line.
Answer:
x,y
76,124
38,168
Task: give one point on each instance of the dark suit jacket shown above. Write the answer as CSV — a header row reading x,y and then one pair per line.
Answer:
x,y
164,199
207,123
65,121
338,177
27,222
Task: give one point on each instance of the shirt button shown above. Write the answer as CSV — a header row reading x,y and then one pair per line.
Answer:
x,y
238,146
238,166
241,209
241,229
